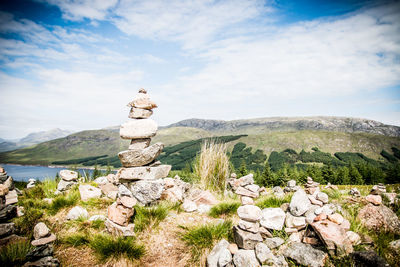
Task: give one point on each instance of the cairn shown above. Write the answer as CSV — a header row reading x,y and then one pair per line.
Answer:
x,y
140,178
311,187
245,188
68,179
8,193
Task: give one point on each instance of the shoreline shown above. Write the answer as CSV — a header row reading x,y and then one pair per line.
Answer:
x,y
56,166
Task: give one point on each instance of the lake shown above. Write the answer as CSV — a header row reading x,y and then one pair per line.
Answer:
x,y
24,173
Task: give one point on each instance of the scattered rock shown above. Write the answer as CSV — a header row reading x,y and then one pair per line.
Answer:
x,y
87,192
119,214
305,254
299,203
65,185
246,240
40,230
189,206
368,258
68,175
249,213
379,218
213,257
333,236
374,199
245,258
118,230
274,242
7,229
263,253
77,212
272,218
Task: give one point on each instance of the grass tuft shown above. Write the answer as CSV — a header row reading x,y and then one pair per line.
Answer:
x,y
224,209
201,238
76,239
106,247
149,217
26,223
212,166
333,193
14,254
272,201
64,201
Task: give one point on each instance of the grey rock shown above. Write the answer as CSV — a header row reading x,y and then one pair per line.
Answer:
x,y
40,252
305,254
274,242
368,258
101,180
246,240
144,173
124,191
213,257
329,209
299,203
44,240
246,180
6,229
7,213
65,185
119,230
249,213
245,258
88,191
272,218
40,230
252,187
225,258
11,197
140,157
147,191
321,196
48,261
249,226
140,113
77,212
136,129
140,143
68,175
297,222
189,206
263,253
246,192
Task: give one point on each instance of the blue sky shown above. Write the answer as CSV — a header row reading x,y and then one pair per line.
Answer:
x,y
76,64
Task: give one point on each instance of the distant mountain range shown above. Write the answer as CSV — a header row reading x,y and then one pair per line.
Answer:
x,y
329,134
32,139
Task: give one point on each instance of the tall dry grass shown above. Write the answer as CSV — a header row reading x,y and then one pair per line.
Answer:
x,y
212,166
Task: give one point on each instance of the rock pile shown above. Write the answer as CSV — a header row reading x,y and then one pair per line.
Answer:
x,y
8,194
140,180
31,183
255,243
291,187
68,179
245,188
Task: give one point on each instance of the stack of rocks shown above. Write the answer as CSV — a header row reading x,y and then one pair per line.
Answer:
x,y
245,188
8,194
378,189
311,187
355,192
42,252
141,178
291,186
68,179
31,183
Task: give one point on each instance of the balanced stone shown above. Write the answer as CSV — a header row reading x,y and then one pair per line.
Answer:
x,y
139,157
140,113
120,214
142,100
139,143
144,173
68,175
246,240
119,230
135,129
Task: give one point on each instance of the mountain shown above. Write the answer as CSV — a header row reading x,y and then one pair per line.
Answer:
x,y
284,124
33,138
329,134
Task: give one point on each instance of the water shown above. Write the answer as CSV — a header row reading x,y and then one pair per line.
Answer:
x,y
24,173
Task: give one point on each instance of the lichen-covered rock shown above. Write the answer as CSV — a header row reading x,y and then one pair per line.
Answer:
x,y
274,242
245,258
305,254
213,257
140,157
77,212
249,213
299,203
68,175
244,239
144,173
379,218
147,191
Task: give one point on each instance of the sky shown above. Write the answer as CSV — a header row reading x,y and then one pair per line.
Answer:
x,y
75,64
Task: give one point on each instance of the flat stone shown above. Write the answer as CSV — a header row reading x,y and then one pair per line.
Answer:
x,y
119,214
354,238
6,229
368,258
11,197
77,212
40,252
147,191
97,218
246,200
333,236
144,173
204,197
379,218
45,261
252,187
142,100
101,180
140,113
249,226
305,254
274,242
245,258
88,191
128,202
336,218
272,218
124,191
65,185
7,212
44,240
138,129
119,230
140,157
213,257
299,203
244,239
246,192
139,143
314,201
68,175
297,222
40,230
249,213
374,199
3,190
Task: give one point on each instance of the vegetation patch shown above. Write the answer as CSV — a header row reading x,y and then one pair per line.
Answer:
x,y
273,201
149,217
224,209
14,253
64,201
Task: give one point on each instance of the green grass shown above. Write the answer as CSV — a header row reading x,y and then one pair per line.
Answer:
x,y
106,247
96,203
26,223
224,209
76,239
14,254
333,193
272,201
200,238
64,201
49,186
149,217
